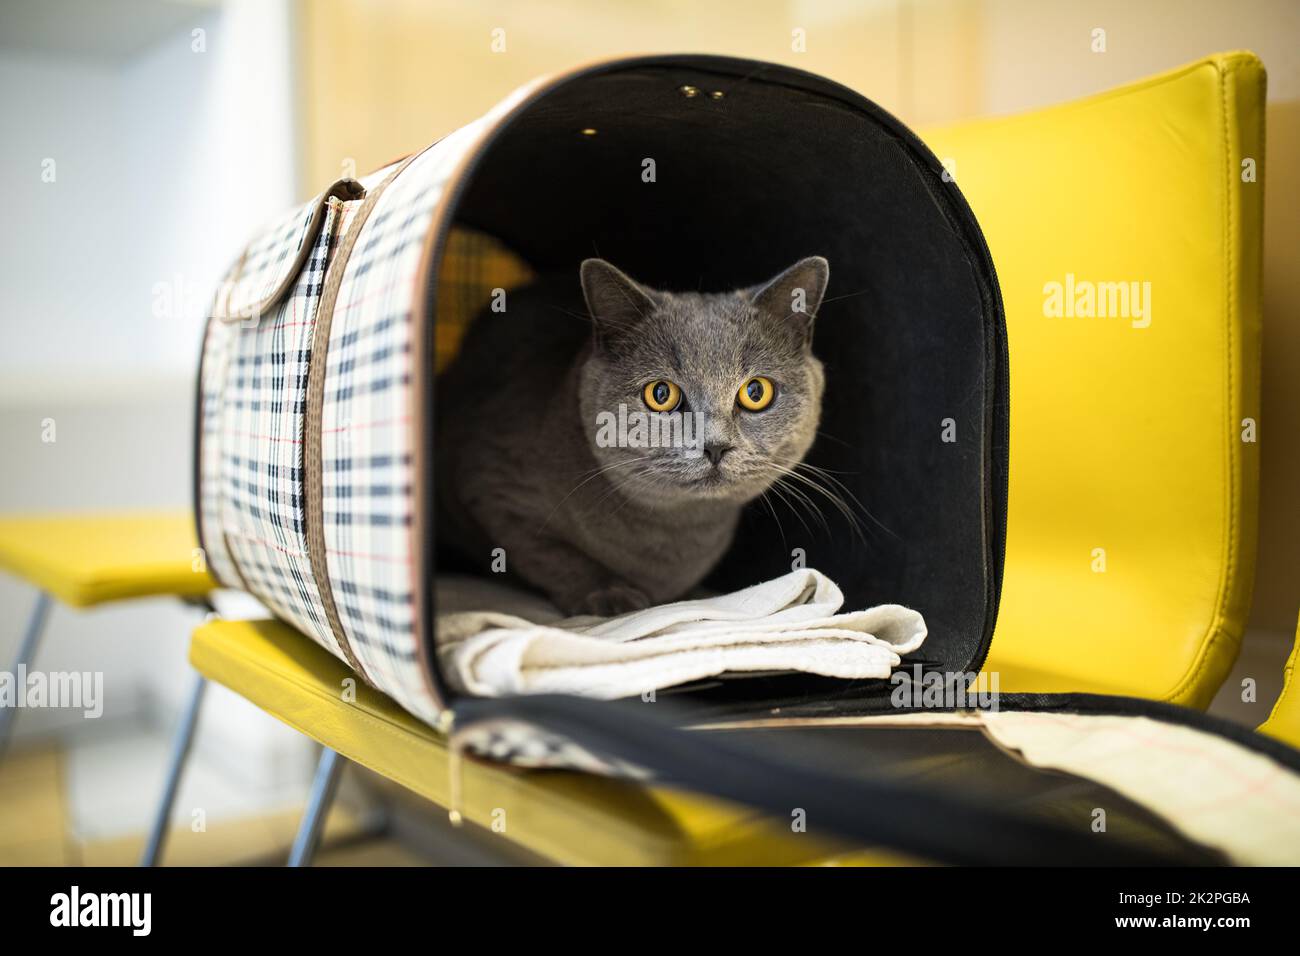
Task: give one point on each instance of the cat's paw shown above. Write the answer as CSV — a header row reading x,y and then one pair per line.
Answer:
x,y
614,600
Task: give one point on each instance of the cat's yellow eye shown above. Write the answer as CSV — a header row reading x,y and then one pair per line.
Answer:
x,y
661,395
756,394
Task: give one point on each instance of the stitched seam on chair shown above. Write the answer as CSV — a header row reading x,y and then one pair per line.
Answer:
x,y
1218,621
1288,671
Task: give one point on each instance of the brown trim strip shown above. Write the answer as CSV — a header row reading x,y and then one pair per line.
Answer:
x,y
314,496
423,353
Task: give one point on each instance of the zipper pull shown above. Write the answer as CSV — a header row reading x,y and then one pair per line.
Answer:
x,y
455,760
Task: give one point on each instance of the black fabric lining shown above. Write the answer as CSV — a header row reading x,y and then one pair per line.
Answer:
x,y
783,165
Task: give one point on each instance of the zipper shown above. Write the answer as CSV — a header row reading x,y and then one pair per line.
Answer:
x,y
937,825
455,766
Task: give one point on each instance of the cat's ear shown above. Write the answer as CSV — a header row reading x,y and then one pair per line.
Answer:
x,y
616,302
796,294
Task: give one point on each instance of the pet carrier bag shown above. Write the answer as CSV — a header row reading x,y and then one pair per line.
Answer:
x,y
315,439
315,444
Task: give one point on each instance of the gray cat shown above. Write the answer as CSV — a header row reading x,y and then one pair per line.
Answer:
x,y
526,412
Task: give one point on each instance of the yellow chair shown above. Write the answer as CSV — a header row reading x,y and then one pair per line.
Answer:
x,y
565,817
1134,468
1132,512
84,560
1284,722
92,559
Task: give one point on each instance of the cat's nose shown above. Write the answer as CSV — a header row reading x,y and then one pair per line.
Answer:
x,y
714,450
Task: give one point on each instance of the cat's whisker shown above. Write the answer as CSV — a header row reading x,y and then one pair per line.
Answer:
x,y
840,505
847,295
844,489
618,489
615,488
833,497
569,312
781,498
839,487
640,479
823,471
830,437
807,505
586,317
785,545
782,493
598,472
784,490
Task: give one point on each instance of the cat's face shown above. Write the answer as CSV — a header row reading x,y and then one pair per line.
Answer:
x,y
701,397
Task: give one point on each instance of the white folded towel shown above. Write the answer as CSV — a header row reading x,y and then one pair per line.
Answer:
x,y
791,623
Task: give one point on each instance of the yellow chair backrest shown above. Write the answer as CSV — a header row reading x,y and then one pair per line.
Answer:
x,y
1284,720
1126,230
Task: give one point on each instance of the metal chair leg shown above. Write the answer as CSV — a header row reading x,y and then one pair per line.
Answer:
x,y
323,788
175,767
26,652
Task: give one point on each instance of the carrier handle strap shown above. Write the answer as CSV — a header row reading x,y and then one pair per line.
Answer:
x,y
345,190
314,503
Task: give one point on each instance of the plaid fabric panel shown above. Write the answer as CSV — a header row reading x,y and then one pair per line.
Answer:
x,y
366,452
249,280
525,745
261,486
254,403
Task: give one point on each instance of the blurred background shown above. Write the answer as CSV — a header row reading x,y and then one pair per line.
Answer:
x,y
143,140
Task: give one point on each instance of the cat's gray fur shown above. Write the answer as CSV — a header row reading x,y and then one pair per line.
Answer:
x,y
596,529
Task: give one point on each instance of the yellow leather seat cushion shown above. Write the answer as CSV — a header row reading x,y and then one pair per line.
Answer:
x,y
1127,432
90,559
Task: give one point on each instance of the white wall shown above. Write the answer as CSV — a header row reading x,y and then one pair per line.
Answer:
x,y
1051,42
59,279
164,164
